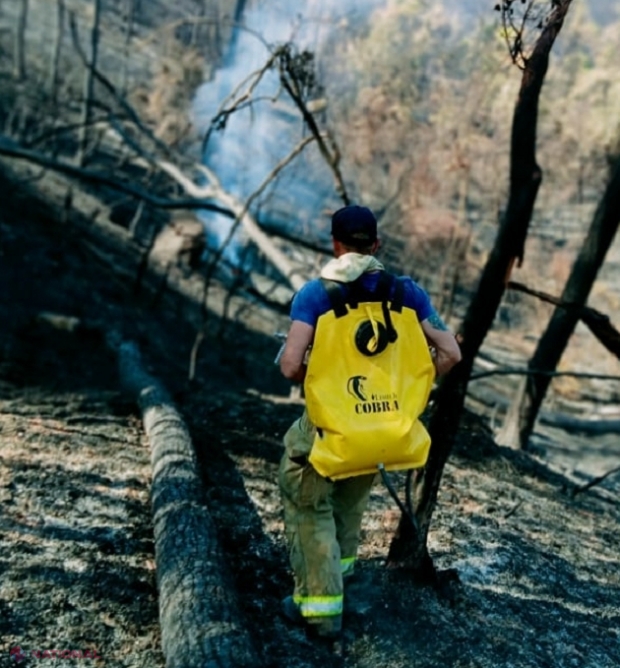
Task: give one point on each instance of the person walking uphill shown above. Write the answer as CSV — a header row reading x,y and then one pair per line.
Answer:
x,y
367,346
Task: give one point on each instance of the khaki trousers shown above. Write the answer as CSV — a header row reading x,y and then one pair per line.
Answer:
x,y
322,521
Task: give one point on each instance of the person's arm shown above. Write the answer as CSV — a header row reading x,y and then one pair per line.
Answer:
x,y
447,351
298,340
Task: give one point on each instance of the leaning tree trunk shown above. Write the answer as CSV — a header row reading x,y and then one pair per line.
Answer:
x,y
409,546
554,340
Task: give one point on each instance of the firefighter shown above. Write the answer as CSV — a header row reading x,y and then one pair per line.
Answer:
x,y
323,512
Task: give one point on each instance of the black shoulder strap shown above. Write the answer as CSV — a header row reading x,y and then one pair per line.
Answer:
x,y
357,293
337,296
384,288
398,298
341,295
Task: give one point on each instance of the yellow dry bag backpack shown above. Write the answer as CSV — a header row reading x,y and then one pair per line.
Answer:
x,y
368,380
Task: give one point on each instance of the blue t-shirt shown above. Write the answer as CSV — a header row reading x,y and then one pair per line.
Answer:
x,y
312,300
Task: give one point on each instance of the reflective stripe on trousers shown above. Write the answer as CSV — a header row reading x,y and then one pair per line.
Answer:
x,y
319,606
325,606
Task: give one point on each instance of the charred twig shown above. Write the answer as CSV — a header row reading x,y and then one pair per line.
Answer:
x,y
515,18
234,103
53,133
274,231
268,179
297,80
514,509
594,481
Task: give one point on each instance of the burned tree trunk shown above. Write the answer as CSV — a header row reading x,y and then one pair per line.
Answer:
x,y
598,323
409,546
130,15
89,83
55,63
200,620
524,411
19,55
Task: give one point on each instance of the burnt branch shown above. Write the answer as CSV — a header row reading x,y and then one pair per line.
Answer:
x,y
132,114
595,481
297,78
11,149
598,323
237,100
200,618
519,19
261,240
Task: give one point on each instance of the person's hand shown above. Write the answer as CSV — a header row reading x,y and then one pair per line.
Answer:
x,y
300,375
443,361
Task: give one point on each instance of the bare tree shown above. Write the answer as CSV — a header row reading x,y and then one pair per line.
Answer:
x,y
89,82
196,25
19,56
130,15
200,185
523,412
55,64
409,546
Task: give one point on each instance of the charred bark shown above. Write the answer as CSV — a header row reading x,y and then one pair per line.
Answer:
x,y
200,620
19,55
564,320
409,547
89,83
598,323
130,15
55,63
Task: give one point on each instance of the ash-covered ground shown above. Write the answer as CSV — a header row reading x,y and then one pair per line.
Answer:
x,y
538,568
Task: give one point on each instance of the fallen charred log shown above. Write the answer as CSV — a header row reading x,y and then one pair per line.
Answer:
x,y
200,620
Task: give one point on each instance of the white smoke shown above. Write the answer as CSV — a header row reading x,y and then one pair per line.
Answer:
x,y
264,130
